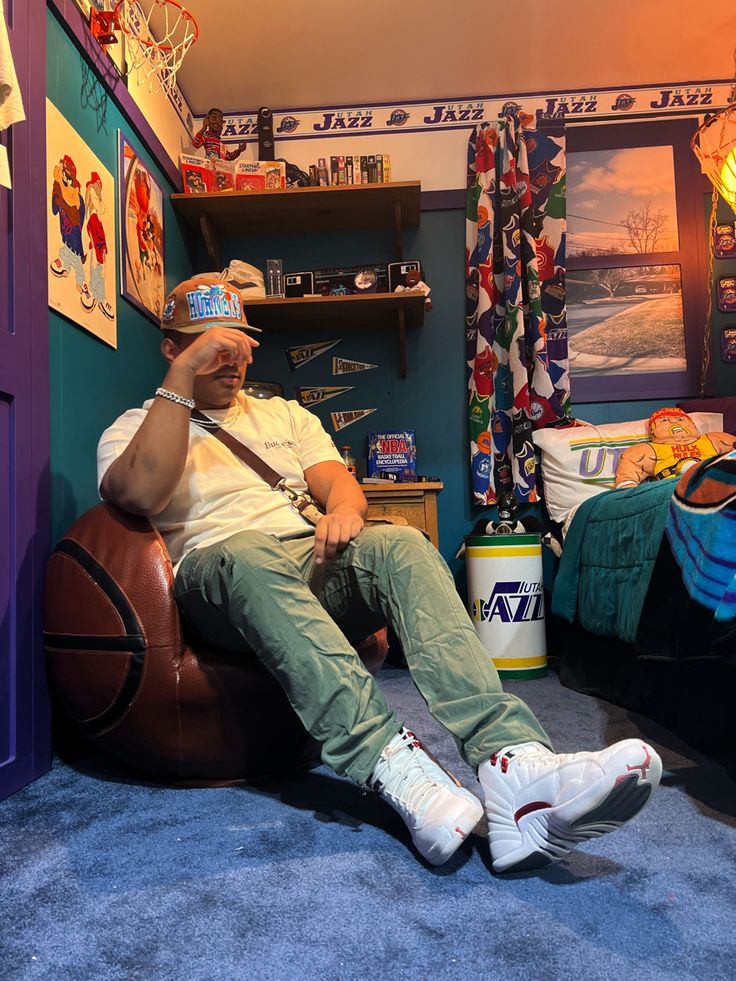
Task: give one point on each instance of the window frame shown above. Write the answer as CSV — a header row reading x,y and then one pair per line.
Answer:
x,y
691,257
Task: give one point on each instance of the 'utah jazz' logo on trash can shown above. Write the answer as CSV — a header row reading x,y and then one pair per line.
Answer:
x,y
511,602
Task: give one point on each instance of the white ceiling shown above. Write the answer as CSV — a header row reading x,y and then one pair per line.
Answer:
x,y
292,55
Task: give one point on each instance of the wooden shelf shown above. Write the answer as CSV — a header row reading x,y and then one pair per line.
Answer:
x,y
315,209
398,310
303,209
368,310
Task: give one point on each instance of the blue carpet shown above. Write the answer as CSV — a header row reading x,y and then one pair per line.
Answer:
x,y
312,879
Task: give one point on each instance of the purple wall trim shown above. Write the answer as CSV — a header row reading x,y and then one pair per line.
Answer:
x,y
690,185
25,491
620,388
77,28
443,200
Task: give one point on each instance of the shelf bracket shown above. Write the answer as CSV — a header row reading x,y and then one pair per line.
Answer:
x,y
211,241
398,231
402,343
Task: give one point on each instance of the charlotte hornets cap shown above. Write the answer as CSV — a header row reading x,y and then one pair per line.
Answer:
x,y
203,302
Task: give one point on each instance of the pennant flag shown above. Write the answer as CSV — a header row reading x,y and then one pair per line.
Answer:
x,y
340,420
311,396
297,356
342,367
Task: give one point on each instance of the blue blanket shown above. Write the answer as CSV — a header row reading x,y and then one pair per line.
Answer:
x,y
608,558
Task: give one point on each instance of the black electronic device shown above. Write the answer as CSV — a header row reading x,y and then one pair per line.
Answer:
x,y
264,125
372,277
397,272
298,284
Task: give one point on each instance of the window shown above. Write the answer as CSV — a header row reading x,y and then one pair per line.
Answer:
x,y
635,270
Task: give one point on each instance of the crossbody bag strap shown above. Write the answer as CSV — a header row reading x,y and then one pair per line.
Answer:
x,y
305,505
267,473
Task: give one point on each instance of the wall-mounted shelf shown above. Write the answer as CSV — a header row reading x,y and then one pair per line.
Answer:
x,y
303,209
399,310
315,209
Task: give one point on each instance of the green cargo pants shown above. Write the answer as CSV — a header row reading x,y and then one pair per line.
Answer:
x,y
257,591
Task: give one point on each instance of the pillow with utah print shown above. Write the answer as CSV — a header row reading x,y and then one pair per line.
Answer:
x,y
580,462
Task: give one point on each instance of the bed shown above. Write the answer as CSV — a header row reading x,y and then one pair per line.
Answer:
x,y
641,615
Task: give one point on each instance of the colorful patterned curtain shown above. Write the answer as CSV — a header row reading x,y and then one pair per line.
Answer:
x,y
516,329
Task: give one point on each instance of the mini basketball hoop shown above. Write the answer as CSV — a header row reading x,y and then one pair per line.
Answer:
x,y
155,57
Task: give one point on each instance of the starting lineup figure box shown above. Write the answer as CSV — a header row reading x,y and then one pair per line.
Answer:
x,y
393,453
196,173
260,175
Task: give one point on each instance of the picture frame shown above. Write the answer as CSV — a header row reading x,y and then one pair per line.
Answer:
x,y
141,220
80,231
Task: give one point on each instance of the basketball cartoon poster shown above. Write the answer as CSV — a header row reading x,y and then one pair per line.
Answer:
x,y
142,273
80,228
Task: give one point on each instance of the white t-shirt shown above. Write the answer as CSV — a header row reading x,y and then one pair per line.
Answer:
x,y
218,495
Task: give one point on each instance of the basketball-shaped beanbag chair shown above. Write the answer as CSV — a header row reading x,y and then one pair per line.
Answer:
x,y
122,670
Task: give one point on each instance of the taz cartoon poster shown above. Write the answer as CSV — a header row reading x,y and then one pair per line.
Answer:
x,y
80,223
142,273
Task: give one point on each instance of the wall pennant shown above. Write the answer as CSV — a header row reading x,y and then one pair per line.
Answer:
x,y
342,367
341,420
298,356
311,396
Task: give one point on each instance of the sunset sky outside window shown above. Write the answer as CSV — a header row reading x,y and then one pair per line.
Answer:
x,y
615,196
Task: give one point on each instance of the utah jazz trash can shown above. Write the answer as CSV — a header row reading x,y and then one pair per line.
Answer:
x,y
506,601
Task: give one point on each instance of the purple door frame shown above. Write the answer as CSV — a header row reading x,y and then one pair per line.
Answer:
x,y
25,740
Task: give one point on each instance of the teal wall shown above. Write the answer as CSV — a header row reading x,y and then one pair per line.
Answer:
x,y
91,383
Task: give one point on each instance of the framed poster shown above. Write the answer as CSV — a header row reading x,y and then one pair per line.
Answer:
x,y
142,272
80,227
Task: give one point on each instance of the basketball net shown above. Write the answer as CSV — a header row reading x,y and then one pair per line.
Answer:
x,y
156,58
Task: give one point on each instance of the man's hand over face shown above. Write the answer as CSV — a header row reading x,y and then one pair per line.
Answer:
x,y
216,347
334,532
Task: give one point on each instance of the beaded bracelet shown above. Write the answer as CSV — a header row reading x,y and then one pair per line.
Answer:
x,y
173,397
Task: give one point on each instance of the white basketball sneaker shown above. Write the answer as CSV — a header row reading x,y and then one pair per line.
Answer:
x,y
540,804
439,812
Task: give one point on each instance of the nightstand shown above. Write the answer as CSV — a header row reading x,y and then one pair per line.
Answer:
x,y
415,502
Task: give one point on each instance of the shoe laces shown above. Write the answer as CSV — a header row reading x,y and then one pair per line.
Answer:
x,y
543,756
406,774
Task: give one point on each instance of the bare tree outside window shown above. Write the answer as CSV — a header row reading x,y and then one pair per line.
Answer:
x,y
645,227
610,279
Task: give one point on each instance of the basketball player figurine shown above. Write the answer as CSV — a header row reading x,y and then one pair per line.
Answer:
x,y
413,282
210,138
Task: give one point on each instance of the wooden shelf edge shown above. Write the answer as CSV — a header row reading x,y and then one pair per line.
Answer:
x,y
285,193
400,299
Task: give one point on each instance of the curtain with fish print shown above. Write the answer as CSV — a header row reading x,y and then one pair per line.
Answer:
x,y
516,329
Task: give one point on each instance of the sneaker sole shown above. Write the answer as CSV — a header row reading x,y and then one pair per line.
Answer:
x,y
555,838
